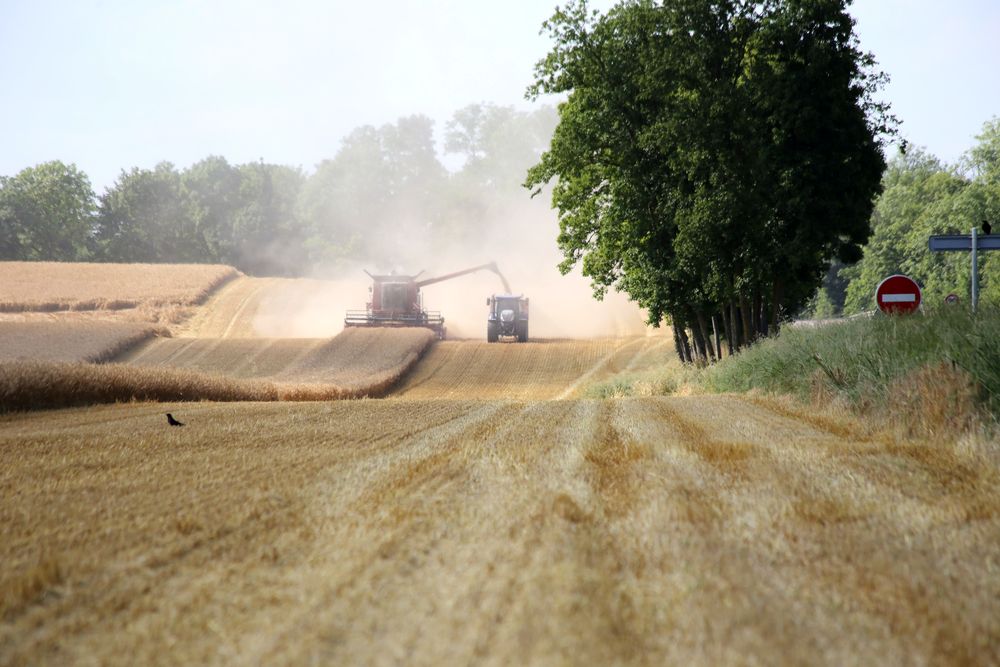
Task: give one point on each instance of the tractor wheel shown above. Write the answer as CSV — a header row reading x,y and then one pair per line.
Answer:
x,y
522,332
492,335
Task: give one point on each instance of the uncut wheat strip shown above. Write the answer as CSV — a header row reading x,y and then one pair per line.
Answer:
x,y
357,354
26,385
54,286
366,362
357,362
93,341
29,385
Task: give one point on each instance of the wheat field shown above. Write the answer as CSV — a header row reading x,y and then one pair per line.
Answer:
x,y
219,354
357,363
687,530
89,341
56,286
488,511
353,358
539,369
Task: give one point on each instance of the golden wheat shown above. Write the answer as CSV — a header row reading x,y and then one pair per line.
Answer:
x,y
55,286
468,527
355,364
274,308
82,340
352,358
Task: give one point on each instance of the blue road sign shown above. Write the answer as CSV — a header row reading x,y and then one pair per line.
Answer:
x,y
963,242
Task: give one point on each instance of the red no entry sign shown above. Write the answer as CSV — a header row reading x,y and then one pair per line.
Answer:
x,y
897,295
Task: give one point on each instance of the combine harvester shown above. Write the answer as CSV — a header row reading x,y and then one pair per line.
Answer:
x,y
396,301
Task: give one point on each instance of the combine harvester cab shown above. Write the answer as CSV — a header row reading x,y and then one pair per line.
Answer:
x,y
508,318
396,301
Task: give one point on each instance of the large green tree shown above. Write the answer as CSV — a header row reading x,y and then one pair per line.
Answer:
x,y
711,157
46,213
144,217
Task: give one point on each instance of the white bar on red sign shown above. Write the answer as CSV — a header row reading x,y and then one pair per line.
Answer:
x,y
899,298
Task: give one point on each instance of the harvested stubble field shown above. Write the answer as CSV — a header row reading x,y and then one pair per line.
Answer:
x,y
59,286
684,530
355,359
545,369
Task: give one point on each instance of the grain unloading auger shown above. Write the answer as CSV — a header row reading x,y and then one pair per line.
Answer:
x,y
396,301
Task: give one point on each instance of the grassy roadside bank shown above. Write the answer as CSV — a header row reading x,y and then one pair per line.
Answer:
x,y
930,373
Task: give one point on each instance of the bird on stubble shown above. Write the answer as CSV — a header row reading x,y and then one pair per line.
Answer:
x,y
172,421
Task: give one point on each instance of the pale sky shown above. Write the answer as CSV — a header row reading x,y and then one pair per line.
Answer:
x,y
112,84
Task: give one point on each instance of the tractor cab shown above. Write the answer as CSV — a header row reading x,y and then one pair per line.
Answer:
x,y
508,317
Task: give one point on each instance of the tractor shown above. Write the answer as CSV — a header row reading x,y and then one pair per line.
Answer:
x,y
508,318
396,301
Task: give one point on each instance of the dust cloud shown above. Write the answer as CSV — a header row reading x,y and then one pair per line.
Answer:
x,y
520,239
309,308
415,216
523,244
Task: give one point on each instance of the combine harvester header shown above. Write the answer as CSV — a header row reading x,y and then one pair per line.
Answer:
x,y
396,301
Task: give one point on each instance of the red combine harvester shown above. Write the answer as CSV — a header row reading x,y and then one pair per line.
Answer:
x,y
396,301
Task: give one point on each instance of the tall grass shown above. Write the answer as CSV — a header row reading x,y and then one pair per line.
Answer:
x,y
946,357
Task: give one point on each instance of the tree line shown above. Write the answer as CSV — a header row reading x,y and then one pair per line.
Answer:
x,y
382,187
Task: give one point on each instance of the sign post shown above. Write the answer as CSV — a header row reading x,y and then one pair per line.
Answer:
x,y
898,295
962,243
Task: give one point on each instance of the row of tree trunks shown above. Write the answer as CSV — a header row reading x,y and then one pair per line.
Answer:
x,y
698,333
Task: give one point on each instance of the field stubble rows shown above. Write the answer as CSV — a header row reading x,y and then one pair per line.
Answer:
x,y
687,529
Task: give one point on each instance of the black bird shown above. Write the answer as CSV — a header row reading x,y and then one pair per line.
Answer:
x,y
172,421
987,228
